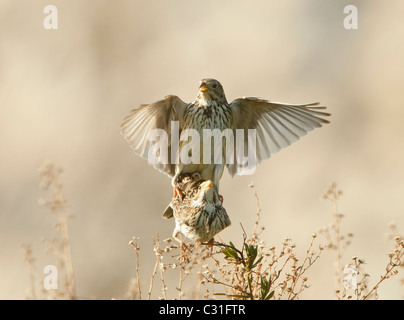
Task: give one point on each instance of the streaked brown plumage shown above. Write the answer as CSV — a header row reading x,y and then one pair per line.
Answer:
x,y
199,214
277,126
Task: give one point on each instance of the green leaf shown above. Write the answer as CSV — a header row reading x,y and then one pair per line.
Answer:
x,y
270,295
265,287
258,261
230,253
251,252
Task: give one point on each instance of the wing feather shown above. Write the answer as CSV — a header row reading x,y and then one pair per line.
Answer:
x,y
277,126
138,126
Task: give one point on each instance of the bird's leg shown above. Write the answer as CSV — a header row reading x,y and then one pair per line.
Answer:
x,y
210,244
174,183
174,180
184,248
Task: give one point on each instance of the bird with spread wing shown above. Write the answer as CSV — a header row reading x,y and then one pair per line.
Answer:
x,y
275,126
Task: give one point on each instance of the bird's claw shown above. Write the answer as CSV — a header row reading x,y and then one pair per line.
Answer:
x,y
184,250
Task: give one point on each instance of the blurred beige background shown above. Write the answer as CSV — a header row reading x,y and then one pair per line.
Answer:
x,y
63,94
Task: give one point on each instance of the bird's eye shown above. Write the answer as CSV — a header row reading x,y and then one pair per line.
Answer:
x,y
200,187
214,86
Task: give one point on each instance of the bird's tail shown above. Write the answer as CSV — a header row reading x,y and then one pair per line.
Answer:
x,y
168,212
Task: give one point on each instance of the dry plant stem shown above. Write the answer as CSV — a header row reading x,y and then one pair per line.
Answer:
x,y
180,281
181,269
68,261
134,243
199,283
137,271
337,226
156,265
395,261
333,194
58,205
152,279
302,269
277,274
183,261
258,207
159,258
27,250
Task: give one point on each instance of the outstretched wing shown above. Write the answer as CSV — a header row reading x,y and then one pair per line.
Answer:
x,y
139,129
277,125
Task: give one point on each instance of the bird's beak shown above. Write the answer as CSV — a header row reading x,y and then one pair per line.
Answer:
x,y
203,87
208,184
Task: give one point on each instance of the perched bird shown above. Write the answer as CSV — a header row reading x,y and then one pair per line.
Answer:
x,y
187,185
276,126
198,212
